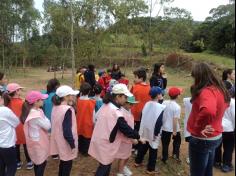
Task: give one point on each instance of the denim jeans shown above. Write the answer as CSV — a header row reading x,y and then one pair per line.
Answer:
x,y
202,154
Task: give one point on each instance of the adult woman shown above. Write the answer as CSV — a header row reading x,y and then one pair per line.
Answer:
x,y
209,102
158,76
115,72
228,77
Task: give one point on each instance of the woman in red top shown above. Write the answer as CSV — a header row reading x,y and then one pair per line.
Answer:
x,y
209,102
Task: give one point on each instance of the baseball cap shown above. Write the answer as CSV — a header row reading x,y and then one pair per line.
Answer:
x,y
121,89
34,96
155,91
63,91
175,91
132,100
12,87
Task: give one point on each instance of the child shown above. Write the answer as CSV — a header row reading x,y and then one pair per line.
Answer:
x,y
103,81
8,124
126,145
141,93
52,86
123,80
187,108
111,125
171,125
225,162
79,78
36,126
3,82
85,118
150,128
14,102
97,90
64,137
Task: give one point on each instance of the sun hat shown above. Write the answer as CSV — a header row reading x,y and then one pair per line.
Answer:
x,y
175,91
155,91
132,100
12,87
121,89
63,91
34,96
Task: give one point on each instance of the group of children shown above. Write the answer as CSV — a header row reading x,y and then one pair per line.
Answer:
x,y
105,120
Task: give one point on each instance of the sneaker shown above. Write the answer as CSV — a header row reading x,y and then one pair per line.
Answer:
x,y
217,165
138,165
19,165
226,168
152,172
120,174
55,157
127,171
29,165
176,158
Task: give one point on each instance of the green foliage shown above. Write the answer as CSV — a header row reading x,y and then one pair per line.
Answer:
x,y
144,50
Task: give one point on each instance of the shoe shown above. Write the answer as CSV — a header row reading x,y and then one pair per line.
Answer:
x,y
217,165
19,165
226,168
29,165
152,172
127,171
138,165
188,160
55,157
120,175
176,158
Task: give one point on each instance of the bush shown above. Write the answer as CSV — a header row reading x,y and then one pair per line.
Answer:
x,y
144,50
198,46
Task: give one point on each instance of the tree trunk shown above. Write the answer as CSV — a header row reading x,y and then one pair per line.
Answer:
x,y
72,43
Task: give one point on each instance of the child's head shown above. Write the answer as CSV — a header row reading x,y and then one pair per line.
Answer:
x,y
3,79
52,85
85,89
65,94
119,95
159,69
91,68
115,67
34,99
156,93
228,74
140,75
174,93
1,98
13,91
97,89
130,102
101,73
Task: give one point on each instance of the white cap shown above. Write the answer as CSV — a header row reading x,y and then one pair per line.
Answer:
x,y
63,91
121,89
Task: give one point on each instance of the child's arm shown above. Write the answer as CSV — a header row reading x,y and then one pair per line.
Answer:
x,y
67,129
175,122
12,119
43,123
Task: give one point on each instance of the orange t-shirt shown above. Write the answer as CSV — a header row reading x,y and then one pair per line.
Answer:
x,y
16,106
141,94
85,111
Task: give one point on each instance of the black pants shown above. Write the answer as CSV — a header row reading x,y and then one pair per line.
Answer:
x,y
143,148
165,139
83,145
103,170
8,161
65,168
18,159
228,146
39,169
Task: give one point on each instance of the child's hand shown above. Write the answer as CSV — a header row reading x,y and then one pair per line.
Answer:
x,y
143,141
174,133
135,141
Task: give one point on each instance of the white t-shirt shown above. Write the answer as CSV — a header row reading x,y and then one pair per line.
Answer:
x,y
35,125
187,109
172,110
8,122
228,121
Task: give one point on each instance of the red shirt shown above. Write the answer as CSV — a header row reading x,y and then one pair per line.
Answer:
x,y
124,81
208,109
141,94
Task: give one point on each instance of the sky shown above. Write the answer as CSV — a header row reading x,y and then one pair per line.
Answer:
x,y
198,8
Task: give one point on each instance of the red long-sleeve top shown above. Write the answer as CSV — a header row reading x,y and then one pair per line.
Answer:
x,y
208,109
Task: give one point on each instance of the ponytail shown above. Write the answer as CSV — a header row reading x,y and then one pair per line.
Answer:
x,y
56,100
25,111
7,98
110,97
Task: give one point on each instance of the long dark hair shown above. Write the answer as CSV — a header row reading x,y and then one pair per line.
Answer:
x,y
7,97
110,97
156,69
226,73
115,69
205,76
25,111
52,85
56,100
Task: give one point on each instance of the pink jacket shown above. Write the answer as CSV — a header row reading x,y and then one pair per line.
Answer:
x,y
58,144
100,147
38,150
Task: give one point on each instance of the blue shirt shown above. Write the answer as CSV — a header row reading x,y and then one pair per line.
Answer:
x,y
47,105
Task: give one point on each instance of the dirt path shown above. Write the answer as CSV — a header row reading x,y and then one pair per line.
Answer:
x,y
37,79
